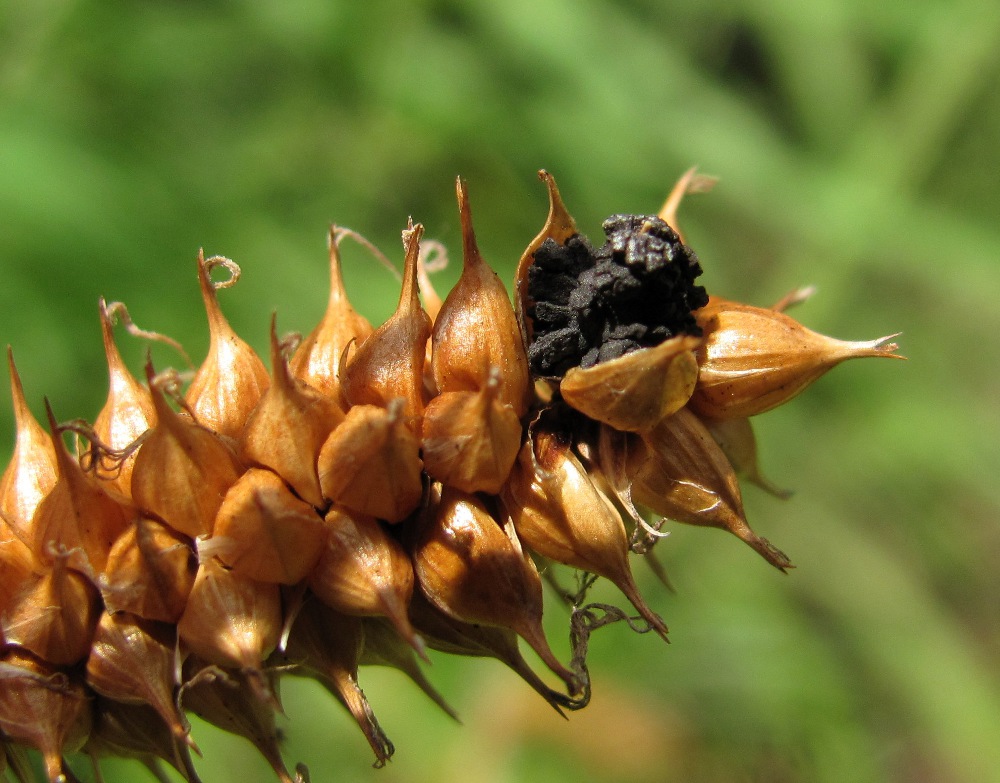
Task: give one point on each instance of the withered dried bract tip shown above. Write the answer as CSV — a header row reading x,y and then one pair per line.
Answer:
x,y
384,647
382,493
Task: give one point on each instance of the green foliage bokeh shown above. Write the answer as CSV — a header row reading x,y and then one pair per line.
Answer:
x,y
856,145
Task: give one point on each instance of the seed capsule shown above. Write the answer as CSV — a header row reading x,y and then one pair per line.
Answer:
x,y
232,621
753,359
31,473
371,463
559,513
390,363
132,660
54,615
328,646
364,571
685,476
232,378
182,471
43,708
127,413
77,512
471,569
288,427
470,438
317,361
633,392
264,532
476,329
150,572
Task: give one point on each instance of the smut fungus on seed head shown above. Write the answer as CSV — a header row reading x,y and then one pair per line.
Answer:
x,y
635,291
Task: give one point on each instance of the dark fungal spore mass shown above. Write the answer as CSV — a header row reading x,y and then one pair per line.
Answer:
x,y
589,306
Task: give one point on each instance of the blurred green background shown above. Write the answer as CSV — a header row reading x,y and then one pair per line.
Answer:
x,y
857,149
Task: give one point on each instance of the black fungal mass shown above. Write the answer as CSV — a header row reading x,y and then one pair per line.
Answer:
x,y
590,306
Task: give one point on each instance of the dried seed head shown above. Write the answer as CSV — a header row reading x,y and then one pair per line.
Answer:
x,y
32,472
317,361
473,570
559,513
265,532
633,392
471,438
371,463
126,415
44,709
753,359
183,470
685,476
77,512
288,427
328,645
364,571
390,363
232,378
475,333
373,492
54,615
149,572
231,620
132,660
